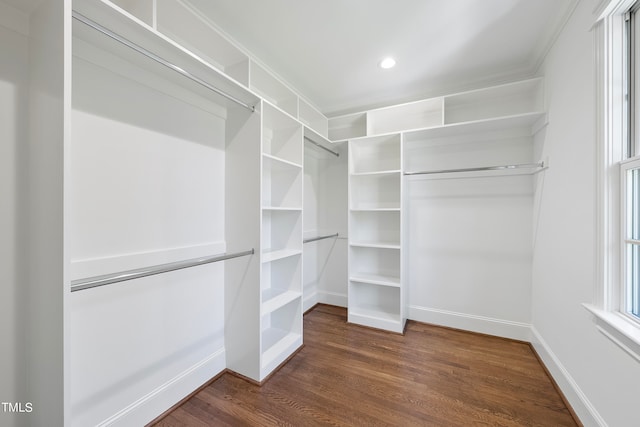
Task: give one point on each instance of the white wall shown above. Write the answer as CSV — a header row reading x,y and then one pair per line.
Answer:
x,y
599,379
13,137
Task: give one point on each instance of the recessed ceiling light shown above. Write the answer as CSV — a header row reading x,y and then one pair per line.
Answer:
x,y
387,63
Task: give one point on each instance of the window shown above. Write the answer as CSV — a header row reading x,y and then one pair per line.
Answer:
x,y
629,300
630,183
616,309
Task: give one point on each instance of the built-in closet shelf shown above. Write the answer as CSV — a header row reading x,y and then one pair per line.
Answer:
x,y
312,119
143,35
377,245
273,90
522,99
282,163
369,313
376,173
273,299
278,345
530,121
375,225
186,25
375,209
282,208
374,318
376,279
274,255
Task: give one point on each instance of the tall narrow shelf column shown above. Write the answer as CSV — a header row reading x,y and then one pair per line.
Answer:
x,y
263,299
281,254
375,290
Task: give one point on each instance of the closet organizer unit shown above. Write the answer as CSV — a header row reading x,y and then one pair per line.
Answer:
x,y
281,253
375,291
485,131
183,114
263,304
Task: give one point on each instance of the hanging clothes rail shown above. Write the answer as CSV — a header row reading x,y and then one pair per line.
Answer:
x,y
81,18
539,165
313,239
107,279
321,146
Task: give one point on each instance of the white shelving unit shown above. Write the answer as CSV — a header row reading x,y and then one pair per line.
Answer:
x,y
263,300
518,99
281,239
375,291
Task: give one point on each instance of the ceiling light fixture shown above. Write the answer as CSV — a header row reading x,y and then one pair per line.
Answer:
x,y
387,63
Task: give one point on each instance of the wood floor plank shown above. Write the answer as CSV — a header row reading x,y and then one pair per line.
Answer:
x,y
347,375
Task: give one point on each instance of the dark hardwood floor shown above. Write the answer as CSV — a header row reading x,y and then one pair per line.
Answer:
x,y
348,375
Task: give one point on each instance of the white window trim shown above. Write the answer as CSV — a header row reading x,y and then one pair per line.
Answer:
x,y
609,39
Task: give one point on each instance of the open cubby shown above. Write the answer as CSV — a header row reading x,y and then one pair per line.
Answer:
x,y
281,184
375,192
281,233
415,115
281,335
506,100
281,282
376,265
379,154
375,306
282,136
375,228
186,25
348,126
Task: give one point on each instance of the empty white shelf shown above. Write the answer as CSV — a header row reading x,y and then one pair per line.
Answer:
x,y
274,298
379,245
282,162
272,255
277,345
376,279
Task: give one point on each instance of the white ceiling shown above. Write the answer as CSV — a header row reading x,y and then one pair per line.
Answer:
x,y
328,50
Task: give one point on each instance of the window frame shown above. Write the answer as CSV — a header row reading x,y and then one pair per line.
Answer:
x,y
625,301
612,127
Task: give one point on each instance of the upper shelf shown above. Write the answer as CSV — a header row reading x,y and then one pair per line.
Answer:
x,y
190,28
135,40
514,104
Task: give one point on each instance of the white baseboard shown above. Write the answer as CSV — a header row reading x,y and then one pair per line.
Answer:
x,y
332,298
468,322
581,405
164,397
309,301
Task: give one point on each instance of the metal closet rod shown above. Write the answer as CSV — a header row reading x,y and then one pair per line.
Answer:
x,y
107,279
78,16
321,146
478,169
313,239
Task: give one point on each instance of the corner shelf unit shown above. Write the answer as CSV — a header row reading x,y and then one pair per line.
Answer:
x,y
375,290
